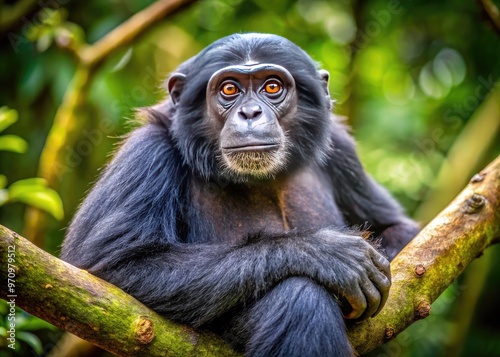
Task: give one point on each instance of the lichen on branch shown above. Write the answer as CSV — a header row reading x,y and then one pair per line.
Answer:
x,y
91,308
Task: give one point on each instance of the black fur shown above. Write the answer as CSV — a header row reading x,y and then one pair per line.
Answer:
x,y
260,261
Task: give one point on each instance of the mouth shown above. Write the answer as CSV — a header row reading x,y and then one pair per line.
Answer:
x,y
252,147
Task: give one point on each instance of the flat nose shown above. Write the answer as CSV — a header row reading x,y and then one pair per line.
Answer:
x,y
250,111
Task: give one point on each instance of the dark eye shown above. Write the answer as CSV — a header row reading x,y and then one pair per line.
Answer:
x,y
229,89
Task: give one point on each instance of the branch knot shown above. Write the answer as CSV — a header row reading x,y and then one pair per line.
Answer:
x,y
474,203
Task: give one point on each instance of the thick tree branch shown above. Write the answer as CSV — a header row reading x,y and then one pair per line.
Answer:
x,y
80,303
99,312
436,257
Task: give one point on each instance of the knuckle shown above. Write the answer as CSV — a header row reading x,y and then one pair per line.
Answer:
x,y
382,283
362,306
359,302
356,312
374,296
385,263
380,258
386,282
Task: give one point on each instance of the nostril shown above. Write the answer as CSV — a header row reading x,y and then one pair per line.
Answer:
x,y
250,112
257,111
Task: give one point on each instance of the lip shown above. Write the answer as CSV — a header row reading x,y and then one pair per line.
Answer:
x,y
252,147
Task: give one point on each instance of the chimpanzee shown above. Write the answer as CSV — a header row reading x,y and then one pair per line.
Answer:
x,y
240,206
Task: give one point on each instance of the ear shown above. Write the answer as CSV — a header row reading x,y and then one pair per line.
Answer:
x,y
175,84
325,76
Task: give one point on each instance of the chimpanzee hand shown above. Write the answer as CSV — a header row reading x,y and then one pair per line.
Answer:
x,y
356,272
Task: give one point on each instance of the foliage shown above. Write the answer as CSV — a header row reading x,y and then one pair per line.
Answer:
x,y
32,191
27,327
53,27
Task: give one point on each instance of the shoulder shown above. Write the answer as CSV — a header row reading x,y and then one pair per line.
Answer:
x,y
150,142
146,161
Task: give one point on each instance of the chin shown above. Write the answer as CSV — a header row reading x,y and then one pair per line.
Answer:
x,y
246,165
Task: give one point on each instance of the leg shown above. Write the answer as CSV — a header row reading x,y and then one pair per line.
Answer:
x,y
296,318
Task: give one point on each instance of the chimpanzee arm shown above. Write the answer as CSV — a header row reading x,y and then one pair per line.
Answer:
x,y
126,233
363,201
195,283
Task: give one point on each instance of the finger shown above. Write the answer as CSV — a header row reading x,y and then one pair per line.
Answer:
x,y
382,284
373,299
357,301
381,263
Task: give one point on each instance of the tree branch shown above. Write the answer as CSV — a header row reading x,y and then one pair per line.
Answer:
x,y
436,257
129,30
80,303
464,156
101,313
492,13
10,14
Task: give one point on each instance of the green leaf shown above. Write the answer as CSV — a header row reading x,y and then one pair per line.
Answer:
x,y
45,199
27,184
13,143
34,192
7,117
32,340
32,323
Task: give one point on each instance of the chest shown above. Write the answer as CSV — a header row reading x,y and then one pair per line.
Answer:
x,y
229,212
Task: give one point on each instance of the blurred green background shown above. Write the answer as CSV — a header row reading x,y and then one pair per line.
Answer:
x,y
418,82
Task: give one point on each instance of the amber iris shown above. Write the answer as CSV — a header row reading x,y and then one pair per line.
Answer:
x,y
272,87
229,89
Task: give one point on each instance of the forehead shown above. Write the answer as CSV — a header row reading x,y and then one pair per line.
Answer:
x,y
247,71
249,49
